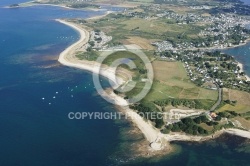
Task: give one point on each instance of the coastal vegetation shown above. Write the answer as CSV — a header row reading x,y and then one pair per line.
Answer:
x,y
90,55
188,74
188,103
83,5
176,90
146,110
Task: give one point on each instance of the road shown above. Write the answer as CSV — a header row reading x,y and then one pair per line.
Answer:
x,y
219,99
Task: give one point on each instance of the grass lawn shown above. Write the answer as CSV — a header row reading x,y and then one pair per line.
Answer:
x,y
206,127
141,31
171,81
240,108
242,98
245,123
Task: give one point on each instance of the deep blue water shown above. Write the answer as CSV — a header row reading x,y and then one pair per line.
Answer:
x,y
35,133
241,54
32,132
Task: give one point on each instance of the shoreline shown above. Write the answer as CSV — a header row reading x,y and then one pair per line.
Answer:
x,y
99,16
234,46
156,139
68,58
31,3
219,47
108,12
242,70
115,5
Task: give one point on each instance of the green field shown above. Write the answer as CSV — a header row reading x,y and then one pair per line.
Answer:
x,y
121,28
170,78
242,98
171,81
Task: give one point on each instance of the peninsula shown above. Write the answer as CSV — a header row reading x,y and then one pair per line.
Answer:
x,y
157,140
204,91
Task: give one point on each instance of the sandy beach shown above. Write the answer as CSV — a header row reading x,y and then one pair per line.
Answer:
x,y
242,70
67,57
98,17
241,133
156,139
33,3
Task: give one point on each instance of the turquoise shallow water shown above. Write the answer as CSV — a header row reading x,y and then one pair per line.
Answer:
x,y
34,133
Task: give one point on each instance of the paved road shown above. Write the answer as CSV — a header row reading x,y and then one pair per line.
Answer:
x,y
219,99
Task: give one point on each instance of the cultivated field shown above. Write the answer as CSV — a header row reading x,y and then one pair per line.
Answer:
x,y
171,81
142,31
242,98
143,43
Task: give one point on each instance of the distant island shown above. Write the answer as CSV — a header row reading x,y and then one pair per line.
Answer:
x,y
14,5
205,92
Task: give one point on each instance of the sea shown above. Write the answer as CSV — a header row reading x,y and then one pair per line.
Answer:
x,y
247,2
37,94
242,55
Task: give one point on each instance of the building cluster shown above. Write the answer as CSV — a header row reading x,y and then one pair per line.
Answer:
x,y
209,71
163,46
225,27
223,30
181,18
99,39
200,7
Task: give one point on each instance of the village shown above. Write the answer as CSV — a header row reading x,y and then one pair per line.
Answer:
x,y
205,67
218,30
209,69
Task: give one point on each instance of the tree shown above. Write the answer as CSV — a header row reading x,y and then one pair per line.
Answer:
x,y
201,130
210,123
187,121
204,119
189,130
170,126
159,122
92,43
176,128
97,30
195,128
89,49
197,120
218,118
165,131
